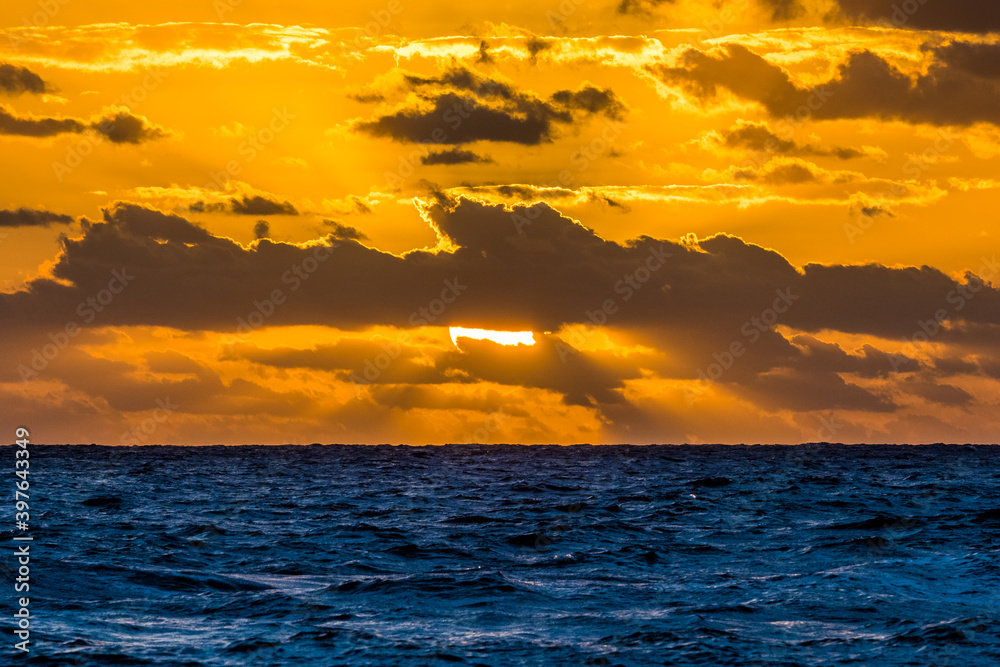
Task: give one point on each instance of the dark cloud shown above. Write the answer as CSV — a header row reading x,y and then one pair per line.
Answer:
x,y
783,10
16,80
524,192
873,211
973,16
353,205
462,107
118,127
409,397
454,156
867,362
535,45
891,302
367,97
361,206
121,127
32,126
463,79
344,232
455,119
798,390
259,204
139,222
791,173
982,60
759,137
865,86
484,57
947,366
526,268
587,380
26,217
581,379
944,394
348,358
738,69
609,201
641,7
261,230
591,100
122,387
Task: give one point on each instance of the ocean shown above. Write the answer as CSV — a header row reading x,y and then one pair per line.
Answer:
x,y
512,555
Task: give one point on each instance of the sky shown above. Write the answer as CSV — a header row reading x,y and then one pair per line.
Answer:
x,y
727,221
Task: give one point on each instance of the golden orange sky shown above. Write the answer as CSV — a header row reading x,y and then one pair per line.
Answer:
x,y
237,221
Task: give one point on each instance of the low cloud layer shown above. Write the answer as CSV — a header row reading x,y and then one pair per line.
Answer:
x,y
531,268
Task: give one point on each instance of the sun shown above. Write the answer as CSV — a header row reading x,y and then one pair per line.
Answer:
x,y
501,337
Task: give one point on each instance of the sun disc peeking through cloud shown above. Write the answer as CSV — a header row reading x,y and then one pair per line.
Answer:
x,y
501,337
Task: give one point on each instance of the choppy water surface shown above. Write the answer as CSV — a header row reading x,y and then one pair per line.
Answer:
x,y
507,555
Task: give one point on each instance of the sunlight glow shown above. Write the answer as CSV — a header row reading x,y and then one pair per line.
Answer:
x,y
502,337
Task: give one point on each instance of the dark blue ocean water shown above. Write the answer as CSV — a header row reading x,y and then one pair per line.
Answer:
x,y
506,555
